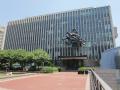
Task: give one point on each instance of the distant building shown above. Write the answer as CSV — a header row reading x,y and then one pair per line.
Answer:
x,y
2,36
111,59
94,25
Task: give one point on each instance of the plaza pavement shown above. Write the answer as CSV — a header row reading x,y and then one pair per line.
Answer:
x,y
55,81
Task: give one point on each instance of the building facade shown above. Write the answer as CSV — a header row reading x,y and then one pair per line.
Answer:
x,y
2,36
94,26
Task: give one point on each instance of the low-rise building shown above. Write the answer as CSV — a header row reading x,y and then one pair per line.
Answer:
x,y
2,35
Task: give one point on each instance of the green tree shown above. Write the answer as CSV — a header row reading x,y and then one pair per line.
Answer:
x,y
41,57
29,57
38,57
3,60
20,57
6,58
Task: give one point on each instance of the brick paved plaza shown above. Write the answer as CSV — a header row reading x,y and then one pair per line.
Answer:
x,y
55,81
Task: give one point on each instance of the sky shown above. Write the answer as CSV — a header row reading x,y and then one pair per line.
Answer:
x,y
19,9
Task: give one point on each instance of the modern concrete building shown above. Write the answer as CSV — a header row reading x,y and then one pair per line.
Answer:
x,y
94,25
2,36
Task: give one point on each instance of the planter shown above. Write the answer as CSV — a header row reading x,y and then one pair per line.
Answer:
x,y
82,72
86,72
59,69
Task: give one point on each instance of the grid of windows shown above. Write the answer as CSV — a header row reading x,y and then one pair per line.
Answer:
x,y
47,32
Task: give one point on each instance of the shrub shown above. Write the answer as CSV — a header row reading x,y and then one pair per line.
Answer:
x,y
48,69
84,70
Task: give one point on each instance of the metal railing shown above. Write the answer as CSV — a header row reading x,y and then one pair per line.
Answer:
x,y
97,83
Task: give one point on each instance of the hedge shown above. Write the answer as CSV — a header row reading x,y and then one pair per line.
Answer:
x,y
49,69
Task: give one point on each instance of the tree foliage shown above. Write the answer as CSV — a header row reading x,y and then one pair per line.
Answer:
x,y
41,57
37,57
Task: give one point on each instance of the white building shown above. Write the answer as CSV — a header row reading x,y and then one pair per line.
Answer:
x,y
2,35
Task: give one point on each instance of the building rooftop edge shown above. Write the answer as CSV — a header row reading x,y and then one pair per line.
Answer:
x,y
57,13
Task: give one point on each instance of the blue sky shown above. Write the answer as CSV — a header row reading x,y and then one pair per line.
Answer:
x,y
18,9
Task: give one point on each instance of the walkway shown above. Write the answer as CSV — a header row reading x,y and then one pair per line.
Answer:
x,y
55,81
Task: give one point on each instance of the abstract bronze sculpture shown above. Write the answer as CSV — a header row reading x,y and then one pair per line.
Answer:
x,y
73,39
